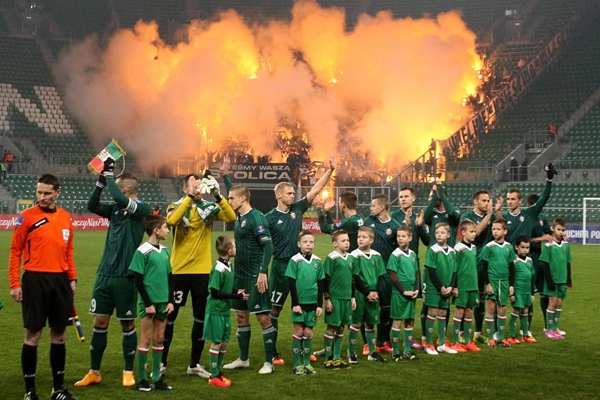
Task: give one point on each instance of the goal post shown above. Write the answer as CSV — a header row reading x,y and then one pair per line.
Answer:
x,y
591,220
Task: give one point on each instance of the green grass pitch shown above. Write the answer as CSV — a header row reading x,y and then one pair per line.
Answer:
x,y
548,370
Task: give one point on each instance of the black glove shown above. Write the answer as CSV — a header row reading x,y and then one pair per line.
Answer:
x,y
101,181
550,171
109,167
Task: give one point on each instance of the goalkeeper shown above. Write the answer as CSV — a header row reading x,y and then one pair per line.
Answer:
x,y
191,218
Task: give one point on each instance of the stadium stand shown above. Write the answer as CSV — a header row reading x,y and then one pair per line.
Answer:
x,y
585,133
129,12
553,98
75,191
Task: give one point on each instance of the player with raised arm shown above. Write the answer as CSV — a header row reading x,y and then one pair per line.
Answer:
x,y
253,255
439,210
114,289
192,220
521,220
285,224
350,223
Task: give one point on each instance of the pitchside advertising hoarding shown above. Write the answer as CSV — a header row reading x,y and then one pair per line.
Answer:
x,y
95,223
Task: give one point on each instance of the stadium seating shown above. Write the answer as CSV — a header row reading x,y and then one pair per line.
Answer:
x,y
75,191
553,98
584,135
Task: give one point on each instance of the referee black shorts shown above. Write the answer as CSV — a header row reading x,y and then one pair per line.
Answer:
x,y
197,285
46,296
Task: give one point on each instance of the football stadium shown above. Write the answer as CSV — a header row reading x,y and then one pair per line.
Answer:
x,y
293,115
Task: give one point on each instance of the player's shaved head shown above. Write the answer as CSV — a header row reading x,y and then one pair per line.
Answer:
x,y
129,182
282,187
241,191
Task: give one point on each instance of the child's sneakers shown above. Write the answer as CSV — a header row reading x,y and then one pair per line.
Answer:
x,y
471,346
528,339
480,338
491,343
313,358
299,370
513,341
386,348
143,386
277,360
446,349
366,351
309,370
352,359
416,345
220,381
554,335
459,348
504,343
429,349
376,357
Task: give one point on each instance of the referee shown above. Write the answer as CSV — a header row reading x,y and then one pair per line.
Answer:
x,y
43,241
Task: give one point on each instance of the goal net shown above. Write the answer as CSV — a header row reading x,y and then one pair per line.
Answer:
x,y
591,220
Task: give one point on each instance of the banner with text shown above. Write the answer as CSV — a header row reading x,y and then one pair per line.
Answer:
x,y
256,173
80,222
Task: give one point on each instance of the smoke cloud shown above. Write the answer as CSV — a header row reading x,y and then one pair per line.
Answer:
x,y
384,89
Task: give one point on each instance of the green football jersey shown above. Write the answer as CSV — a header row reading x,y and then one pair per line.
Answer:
x,y
499,256
444,263
154,263
523,275
558,255
125,232
306,273
541,228
450,215
522,223
484,238
253,244
285,228
418,232
220,279
406,266
466,267
349,224
385,236
340,269
370,267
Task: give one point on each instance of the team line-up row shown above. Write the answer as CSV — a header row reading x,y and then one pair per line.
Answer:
x,y
371,278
